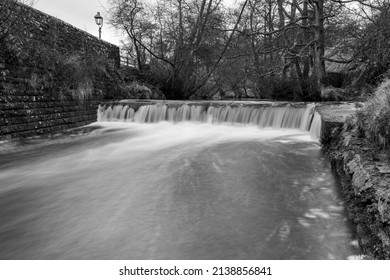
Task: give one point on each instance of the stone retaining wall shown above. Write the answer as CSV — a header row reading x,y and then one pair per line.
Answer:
x,y
28,104
364,176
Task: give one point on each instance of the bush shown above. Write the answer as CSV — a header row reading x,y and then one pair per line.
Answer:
x,y
65,73
136,90
74,74
373,120
332,94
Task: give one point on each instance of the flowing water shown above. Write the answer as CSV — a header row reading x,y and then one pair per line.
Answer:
x,y
193,183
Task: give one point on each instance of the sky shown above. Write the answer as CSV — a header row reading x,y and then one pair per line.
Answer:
x,y
80,13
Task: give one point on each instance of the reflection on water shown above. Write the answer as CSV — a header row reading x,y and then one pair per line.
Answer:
x,y
164,191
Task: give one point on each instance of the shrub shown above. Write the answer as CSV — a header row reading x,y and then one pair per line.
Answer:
x,y
74,76
373,120
332,94
65,73
135,90
83,91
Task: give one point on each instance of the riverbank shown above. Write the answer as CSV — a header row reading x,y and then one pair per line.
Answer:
x,y
363,173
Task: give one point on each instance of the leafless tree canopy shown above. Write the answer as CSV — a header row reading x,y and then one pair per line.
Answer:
x,y
200,47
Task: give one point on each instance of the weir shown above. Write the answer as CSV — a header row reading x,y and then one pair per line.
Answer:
x,y
263,115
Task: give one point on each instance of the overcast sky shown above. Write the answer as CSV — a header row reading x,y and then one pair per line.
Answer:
x,y
80,13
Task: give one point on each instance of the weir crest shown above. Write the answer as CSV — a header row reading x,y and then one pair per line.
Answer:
x,y
304,118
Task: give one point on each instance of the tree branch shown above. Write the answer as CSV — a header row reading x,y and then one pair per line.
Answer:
x,y
147,49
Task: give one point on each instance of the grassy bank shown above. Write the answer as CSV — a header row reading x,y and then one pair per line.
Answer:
x,y
373,120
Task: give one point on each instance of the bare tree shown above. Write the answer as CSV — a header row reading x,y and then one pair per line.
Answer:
x,y
189,41
194,46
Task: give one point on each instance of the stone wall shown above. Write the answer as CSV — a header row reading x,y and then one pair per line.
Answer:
x,y
33,99
363,173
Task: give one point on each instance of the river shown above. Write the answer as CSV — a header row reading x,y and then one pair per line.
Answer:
x,y
168,190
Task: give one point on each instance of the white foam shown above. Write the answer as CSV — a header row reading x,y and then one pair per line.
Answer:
x,y
286,117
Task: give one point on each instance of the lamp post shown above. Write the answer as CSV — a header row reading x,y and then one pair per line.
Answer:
x,y
99,22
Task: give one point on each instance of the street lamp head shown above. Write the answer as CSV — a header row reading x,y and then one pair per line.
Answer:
x,y
99,22
99,19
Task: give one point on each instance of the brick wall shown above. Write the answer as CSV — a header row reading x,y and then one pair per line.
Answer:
x,y
30,103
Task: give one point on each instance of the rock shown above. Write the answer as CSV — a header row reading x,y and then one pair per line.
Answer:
x,y
384,210
383,169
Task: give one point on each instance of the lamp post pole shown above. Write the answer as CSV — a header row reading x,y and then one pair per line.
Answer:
x,y
99,22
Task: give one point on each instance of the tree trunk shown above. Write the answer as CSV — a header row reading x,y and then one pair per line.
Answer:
x,y
298,95
319,47
305,40
281,14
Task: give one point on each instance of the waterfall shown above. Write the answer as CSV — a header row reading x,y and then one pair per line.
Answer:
x,y
315,126
303,118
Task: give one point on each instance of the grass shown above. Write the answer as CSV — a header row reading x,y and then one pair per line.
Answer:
x,y
373,120
65,74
